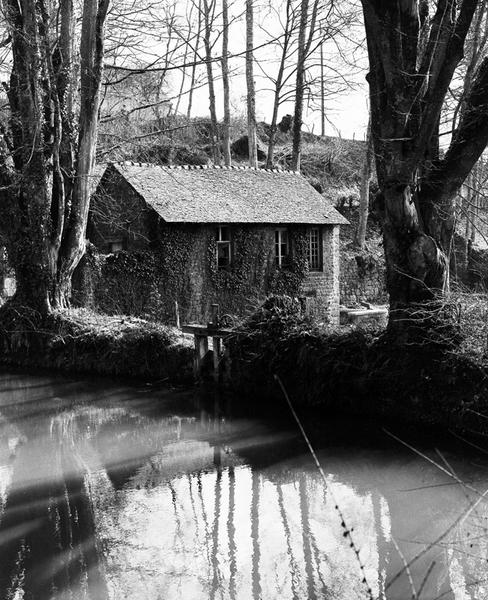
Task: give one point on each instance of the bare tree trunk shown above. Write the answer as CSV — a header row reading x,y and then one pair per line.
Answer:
x,y
251,92
304,45
364,189
208,10
300,88
225,82
195,57
183,77
91,64
322,92
466,206
188,47
272,132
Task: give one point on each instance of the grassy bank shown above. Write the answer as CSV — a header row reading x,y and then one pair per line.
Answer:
x,y
440,379
80,341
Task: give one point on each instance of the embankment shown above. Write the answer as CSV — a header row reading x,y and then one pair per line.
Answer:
x,y
80,341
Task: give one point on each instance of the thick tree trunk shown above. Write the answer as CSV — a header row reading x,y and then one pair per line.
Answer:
x,y
33,274
417,267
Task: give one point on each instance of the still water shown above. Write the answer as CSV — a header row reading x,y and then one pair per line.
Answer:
x,y
114,492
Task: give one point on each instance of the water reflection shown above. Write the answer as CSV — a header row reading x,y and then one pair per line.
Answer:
x,y
109,492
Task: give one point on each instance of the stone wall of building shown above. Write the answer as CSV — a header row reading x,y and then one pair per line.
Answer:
x,y
321,288
128,221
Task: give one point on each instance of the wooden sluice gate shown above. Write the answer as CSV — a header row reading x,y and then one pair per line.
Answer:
x,y
201,335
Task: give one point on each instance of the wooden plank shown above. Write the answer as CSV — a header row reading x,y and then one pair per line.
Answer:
x,y
374,312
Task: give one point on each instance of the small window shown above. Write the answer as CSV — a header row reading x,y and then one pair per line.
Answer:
x,y
224,256
282,248
314,247
115,246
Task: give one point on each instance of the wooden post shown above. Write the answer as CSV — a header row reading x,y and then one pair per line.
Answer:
x,y
177,314
214,311
201,348
217,350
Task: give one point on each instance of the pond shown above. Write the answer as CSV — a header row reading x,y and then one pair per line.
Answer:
x,y
109,491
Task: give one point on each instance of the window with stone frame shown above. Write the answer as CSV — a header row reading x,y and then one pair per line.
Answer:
x,y
282,247
224,247
314,249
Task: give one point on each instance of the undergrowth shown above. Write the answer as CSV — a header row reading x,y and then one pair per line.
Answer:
x,y
438,376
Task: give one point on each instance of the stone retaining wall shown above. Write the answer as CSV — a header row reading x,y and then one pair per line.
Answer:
x,y
362,278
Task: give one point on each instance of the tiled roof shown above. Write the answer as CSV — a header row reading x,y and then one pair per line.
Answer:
x,y
229,195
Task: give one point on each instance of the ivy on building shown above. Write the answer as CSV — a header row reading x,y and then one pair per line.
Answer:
x,y
181,266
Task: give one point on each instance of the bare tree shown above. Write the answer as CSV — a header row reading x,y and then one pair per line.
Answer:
x,y
47,156
413,59
302,59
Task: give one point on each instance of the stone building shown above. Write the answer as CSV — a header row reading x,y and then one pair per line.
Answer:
x,y
202,235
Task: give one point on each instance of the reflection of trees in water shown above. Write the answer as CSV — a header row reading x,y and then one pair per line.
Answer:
x,y
285,548
231,533
48,542
289,546
216,575
222,530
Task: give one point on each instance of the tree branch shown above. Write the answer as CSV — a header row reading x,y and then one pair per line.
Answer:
x,y
470,139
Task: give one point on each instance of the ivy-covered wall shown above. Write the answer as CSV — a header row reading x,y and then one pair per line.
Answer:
x,y
187,255
166,263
